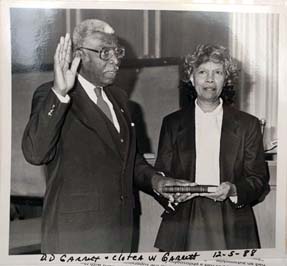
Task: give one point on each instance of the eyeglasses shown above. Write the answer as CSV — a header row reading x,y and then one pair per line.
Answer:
x,y
106,53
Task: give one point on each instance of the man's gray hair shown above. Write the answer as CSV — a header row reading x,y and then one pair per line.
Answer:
x,y
87,28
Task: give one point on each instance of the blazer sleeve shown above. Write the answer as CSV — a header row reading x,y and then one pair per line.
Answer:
x,y
165,149
42,132
254,182
144,172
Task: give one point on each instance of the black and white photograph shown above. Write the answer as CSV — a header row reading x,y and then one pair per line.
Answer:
x,y
143,129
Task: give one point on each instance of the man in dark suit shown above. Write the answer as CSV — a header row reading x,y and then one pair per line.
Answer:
x,y
81,130
210,143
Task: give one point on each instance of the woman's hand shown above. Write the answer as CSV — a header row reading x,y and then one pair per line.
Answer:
x,y
224,191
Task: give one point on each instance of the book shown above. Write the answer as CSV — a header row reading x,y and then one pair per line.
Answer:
x,y
189,189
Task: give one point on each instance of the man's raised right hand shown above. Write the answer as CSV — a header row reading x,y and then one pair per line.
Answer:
x,y
64,75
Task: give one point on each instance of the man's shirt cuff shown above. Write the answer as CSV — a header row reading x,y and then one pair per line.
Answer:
x,y
234,199
61,98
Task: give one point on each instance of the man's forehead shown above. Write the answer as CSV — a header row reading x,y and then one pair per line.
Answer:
x,y
100,39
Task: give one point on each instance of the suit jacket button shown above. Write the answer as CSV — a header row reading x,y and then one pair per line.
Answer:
x,y
122,110
122,140
122,197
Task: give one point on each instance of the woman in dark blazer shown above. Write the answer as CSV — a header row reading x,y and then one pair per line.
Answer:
x,y
211,143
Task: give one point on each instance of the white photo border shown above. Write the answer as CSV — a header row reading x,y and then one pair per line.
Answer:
x,y
218,6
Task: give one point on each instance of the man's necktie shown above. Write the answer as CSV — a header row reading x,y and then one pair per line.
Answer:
x,y
102,104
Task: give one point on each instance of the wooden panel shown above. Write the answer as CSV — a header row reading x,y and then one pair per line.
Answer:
x,y
182,31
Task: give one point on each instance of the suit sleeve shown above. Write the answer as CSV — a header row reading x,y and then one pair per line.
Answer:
x,y
165,149
254,182
41,135
144,172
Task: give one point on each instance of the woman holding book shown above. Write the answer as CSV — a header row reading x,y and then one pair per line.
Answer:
x,y
210,143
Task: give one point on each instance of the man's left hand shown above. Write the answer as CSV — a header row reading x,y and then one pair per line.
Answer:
x,y
159,181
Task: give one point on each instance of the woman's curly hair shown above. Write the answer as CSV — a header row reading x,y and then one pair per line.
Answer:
x,y
217,54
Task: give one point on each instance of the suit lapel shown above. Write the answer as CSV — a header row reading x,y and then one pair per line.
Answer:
x,y
229,143
186,143
89,114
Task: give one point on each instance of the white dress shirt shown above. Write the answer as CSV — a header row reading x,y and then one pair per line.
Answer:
x,y
207,136
89,89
